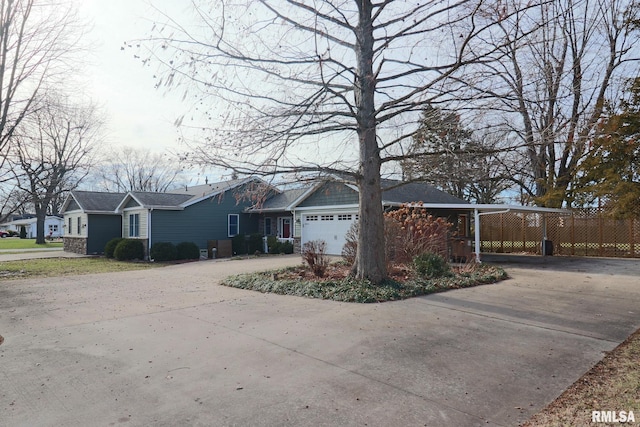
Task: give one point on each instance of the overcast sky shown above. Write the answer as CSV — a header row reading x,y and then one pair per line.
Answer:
x,y
136,113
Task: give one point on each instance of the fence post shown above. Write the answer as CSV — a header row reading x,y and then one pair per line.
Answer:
x,y
501,233
632,253
600,231
524,233
573,233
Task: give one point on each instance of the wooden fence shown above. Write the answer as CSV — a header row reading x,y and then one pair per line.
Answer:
x,y
585,232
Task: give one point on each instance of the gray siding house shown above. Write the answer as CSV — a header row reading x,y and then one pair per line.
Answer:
x,y
90,221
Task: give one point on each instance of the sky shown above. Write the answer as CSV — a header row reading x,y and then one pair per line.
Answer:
x,y
136,114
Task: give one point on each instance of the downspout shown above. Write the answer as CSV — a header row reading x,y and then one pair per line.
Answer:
x,y
476,232
149,234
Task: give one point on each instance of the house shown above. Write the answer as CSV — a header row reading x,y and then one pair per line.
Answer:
x,y
326,210
217,212
53,225
90,221
201,214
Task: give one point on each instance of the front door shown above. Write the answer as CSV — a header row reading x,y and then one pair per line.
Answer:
x,y
285,228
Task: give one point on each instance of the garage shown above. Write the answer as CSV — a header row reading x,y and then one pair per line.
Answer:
x,y
328,226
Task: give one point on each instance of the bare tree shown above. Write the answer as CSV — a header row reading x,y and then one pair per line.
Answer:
x,y
130,169
330,86
12,200
37,37
52,151
553,70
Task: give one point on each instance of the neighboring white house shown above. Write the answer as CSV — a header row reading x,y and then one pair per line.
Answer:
x,y
53,226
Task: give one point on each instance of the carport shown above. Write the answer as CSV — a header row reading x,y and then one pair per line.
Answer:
x,y
493,209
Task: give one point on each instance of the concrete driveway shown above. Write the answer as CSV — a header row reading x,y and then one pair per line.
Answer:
x,y
170,347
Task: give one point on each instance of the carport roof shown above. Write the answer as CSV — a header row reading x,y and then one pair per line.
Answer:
x,y
487,209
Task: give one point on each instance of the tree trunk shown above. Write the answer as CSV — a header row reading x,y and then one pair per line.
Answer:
x,y
370,257
41,214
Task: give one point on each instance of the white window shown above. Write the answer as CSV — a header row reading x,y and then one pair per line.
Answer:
x,y
134,225
233,225
311,217
326,217
346,217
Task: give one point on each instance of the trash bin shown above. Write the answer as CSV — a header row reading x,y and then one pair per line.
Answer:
x,y
547,248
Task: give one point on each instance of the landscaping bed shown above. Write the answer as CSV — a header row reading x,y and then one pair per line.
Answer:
x,y
337,285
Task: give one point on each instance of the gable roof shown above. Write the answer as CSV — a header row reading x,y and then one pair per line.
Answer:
x,y
182,198
158,200
94,201
396,192
283,200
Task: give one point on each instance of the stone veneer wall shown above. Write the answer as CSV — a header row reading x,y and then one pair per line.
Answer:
x,y
77,245
297,245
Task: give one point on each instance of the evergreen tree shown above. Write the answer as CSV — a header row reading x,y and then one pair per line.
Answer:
x,y
611,171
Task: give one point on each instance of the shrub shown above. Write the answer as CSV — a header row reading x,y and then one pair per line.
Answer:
x,y
276,247
110,247
239,244
254,243
430,265
411,231
187,250
286,248
314,254
351,246
273,245
163,251
129,249
23,232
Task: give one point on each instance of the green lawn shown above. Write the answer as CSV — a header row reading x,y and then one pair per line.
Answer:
x,y
16,243
54,267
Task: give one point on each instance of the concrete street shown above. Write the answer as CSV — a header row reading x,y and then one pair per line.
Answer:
x,y
170,347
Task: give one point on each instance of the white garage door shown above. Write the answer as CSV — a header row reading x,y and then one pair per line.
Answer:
x,y
330,227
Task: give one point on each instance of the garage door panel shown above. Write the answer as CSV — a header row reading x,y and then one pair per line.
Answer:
x,y
331,228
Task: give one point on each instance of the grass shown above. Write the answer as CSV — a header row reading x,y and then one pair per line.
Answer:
x,y
612,385
10,243
289,281
55,267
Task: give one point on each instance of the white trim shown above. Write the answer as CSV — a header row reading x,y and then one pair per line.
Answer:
x,y
130,223
229,225
281,220
329,208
